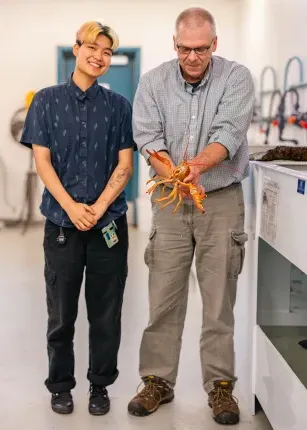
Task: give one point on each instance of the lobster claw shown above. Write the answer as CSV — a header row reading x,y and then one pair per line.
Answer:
x,y
198,197
159,157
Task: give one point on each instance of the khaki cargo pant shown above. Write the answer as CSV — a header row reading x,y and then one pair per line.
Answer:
x,y
218,240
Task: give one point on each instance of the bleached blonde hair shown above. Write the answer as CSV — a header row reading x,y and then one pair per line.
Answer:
x,y
90,30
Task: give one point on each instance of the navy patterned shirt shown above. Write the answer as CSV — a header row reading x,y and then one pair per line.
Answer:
x,y
85,132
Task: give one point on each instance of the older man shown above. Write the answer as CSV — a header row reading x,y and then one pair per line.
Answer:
x,y
199,105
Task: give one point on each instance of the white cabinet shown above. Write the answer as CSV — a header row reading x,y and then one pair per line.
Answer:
x,y
277,299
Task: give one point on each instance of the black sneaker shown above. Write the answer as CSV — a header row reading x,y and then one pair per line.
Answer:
x,y
99,403
62,403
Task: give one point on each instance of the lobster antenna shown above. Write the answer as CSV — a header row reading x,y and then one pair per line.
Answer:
x,y
188,143
186,149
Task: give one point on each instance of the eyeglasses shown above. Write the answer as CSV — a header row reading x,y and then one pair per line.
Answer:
x,y
201,50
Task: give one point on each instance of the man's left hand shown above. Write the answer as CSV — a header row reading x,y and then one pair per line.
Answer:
x,y
194,175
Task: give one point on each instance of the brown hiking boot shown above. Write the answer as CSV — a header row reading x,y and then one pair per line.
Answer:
x,y
155,393
224,406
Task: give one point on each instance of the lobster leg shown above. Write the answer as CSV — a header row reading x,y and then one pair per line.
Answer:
x,y
162,191
167,197
154,178
178,204
184,183
175,192
157,184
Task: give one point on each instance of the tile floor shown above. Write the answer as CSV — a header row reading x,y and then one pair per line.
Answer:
x,y
24,402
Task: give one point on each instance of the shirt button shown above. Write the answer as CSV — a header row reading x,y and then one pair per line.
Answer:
x,y
193,117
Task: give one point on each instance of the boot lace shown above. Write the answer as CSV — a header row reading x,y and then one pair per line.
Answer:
x,y
152,390
222,397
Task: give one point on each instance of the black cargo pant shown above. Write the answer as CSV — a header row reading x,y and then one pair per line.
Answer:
x,y
105,278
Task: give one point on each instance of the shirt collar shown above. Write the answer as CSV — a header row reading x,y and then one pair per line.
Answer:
x,y
77,93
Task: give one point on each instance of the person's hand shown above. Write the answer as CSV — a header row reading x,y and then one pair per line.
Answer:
x,y
194,175
82,216
100,209
192,178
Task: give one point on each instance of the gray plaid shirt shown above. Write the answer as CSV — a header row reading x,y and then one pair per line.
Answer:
x,y
169,115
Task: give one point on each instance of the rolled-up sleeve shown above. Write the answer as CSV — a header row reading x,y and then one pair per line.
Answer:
x,y
235,111
147,124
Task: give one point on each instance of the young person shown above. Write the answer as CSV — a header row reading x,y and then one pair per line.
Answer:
x,y
82,142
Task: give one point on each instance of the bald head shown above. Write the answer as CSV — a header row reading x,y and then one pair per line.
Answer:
x,y
195,17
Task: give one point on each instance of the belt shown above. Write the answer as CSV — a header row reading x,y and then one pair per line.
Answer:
x,y
234,185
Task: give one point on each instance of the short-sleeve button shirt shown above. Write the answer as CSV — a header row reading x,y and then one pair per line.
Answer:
x,y
84,130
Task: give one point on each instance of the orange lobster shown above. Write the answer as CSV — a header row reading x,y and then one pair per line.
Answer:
x,y
177,175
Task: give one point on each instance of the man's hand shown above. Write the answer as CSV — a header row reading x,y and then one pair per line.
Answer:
x,y
194,175
213,155
162,169
82,216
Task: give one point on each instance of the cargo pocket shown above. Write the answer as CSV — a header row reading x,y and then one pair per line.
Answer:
x,y
237,253
149,251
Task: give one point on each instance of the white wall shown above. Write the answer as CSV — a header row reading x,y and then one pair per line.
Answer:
x,y
31,30
271,32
